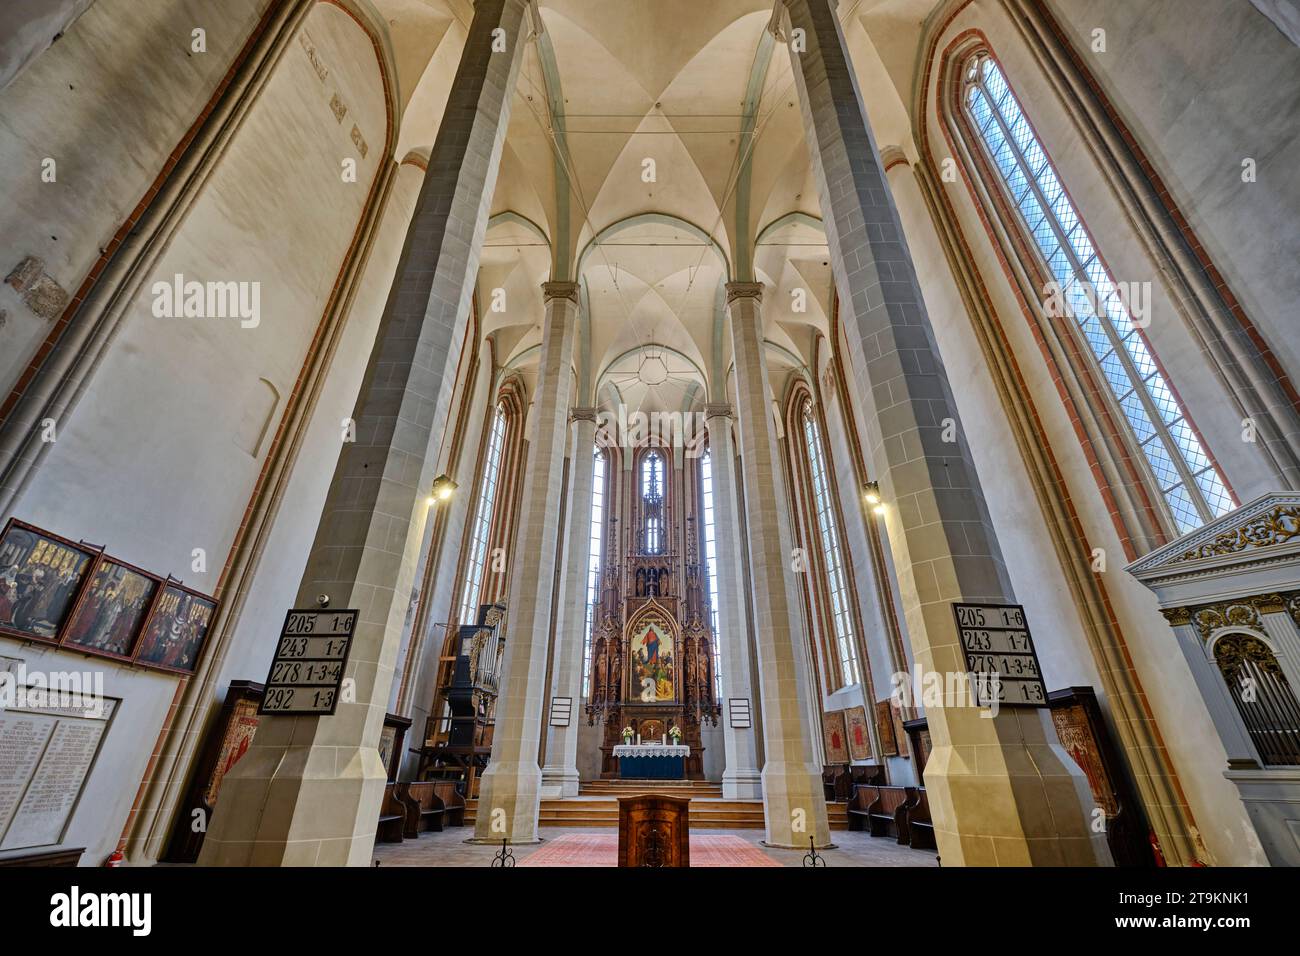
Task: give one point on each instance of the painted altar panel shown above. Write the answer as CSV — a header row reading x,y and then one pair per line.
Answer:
x,y
652,662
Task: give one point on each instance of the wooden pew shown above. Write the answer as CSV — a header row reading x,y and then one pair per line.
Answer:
x,y
836,783
860,806
424,809
919,824
452,802
872,774
889,807
392,816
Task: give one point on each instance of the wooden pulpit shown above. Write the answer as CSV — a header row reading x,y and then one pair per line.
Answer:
x,y
654,830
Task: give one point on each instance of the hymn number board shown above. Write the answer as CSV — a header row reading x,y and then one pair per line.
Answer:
x,y
307,670
1001,653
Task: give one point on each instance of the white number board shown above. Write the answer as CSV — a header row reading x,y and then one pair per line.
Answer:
x,y
310,657
1000,653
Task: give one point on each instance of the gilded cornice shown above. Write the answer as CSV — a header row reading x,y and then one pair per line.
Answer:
x,y
1278,526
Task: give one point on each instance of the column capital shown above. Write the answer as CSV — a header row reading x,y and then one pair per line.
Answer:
x,y
719,410
744,290
560,290
583,413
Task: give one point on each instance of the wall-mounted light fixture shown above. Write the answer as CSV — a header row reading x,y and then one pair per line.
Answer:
x,y
871,493
443,488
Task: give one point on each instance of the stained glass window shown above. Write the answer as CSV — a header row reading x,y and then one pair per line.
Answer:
x,y
593,562
1191,487
481,529
828,534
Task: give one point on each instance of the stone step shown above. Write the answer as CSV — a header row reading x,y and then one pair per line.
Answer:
x,y
706,813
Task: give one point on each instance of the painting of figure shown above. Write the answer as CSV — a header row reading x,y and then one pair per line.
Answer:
x,y
174,635
40,578
835,738
110,615
859,733
653,665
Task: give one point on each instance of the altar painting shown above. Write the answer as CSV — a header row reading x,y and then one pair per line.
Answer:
x,y
653,665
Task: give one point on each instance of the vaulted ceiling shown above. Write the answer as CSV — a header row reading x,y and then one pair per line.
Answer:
x,y
655,150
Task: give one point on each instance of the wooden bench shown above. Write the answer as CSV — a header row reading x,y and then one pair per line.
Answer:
x,y
888,808
860,806
871,774
392,816
452,802
919,824
836,783
424,808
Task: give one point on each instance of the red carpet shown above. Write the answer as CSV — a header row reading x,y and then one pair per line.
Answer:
x,y
601,849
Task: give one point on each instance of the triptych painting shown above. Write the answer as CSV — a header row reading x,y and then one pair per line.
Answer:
x,y
71,594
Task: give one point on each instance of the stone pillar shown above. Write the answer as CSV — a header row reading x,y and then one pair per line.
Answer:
x,y
309,789
1001,789
741,779
794,803
510,794
560,770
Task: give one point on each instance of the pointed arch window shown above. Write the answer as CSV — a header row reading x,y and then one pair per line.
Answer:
x,y
593,562
1189,483
481,529
711,563
827,532
652,503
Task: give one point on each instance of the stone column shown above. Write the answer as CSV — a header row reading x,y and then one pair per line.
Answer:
x,y
510,795
741,779
794,803
560,770
309,789
1001,789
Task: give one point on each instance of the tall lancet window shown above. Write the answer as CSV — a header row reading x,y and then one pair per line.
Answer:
x,y
711,563
652,503
828,534
593,563
1180,467
481,529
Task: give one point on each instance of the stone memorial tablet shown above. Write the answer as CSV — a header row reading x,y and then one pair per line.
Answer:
x,y
46,754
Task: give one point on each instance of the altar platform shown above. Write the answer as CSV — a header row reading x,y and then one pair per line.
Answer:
x,y
597,806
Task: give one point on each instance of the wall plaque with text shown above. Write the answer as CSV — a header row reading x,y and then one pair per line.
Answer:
x,y
1000,653
310,657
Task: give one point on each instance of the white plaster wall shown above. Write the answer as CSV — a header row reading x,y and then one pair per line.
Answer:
x,y
29,27
109,102
1203,85
147,464
275,585
1184,722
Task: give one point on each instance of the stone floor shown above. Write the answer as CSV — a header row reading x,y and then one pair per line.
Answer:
x,y
448,848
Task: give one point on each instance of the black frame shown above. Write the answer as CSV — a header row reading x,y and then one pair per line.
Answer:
x,y
271,685
1033,650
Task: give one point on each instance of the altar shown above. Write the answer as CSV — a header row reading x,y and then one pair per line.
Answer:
x,y
652,761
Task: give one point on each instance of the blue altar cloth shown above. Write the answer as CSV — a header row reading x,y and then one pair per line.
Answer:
x,y
652,768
